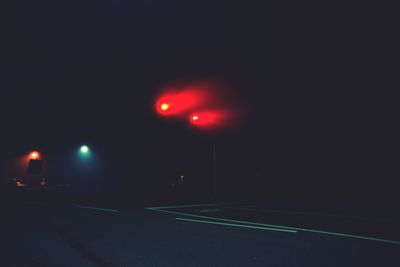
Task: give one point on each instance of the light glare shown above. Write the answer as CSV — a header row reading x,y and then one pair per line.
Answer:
x,y
84,149
34,155
164,106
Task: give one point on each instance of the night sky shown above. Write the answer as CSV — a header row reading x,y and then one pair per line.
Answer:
x,y
309,75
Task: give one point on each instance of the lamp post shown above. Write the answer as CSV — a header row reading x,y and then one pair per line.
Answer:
x,y
208,120
214,167
205,120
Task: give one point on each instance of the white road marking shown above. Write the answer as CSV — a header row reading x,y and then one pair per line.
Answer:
x,y
309,213
281,227
95,208
238,225
187,206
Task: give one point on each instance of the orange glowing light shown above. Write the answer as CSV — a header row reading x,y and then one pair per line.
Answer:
x,y
195,117
34,155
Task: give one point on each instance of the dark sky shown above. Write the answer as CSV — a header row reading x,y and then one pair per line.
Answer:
x,y
88,71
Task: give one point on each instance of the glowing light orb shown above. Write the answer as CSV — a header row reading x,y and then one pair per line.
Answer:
x,y
178,103
84,149
164,106
211,119
34,155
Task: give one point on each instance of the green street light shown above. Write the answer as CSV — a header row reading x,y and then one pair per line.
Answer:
x,y
84,149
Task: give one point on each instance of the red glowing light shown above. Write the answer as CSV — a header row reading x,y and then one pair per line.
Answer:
x,y
210,119
19,184
34,155
207,105
179,103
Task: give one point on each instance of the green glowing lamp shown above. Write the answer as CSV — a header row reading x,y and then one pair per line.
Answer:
x,y
84,149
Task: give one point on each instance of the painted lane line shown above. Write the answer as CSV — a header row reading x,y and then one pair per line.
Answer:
x,y
188,206
352,236
208,210
312,214
222,219
284,227
238,225
95,208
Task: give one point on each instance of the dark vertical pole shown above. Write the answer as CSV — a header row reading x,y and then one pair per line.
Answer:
x,y
214,168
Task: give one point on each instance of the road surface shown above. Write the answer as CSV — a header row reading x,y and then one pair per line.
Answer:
x,y
219,234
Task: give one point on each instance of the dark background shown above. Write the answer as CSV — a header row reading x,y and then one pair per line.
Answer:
x,y
314,77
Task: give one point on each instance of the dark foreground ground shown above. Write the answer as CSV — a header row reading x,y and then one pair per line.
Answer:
x,y
46,233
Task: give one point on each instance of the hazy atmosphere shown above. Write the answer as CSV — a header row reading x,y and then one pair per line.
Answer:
x,y
279,104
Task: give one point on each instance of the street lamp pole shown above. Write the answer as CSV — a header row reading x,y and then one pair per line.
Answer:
x,y
214,167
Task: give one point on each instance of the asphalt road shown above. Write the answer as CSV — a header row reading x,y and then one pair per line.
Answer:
x,y
206,235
